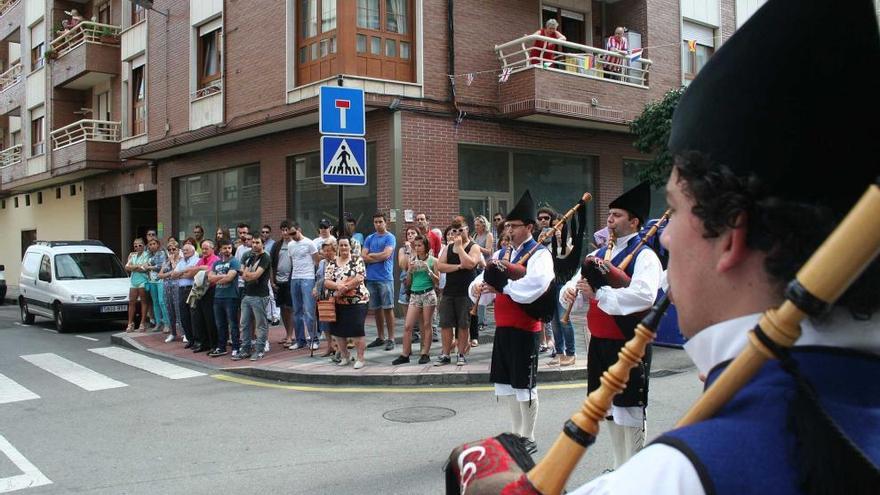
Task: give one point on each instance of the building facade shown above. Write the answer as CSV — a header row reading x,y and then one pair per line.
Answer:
x,y
205,111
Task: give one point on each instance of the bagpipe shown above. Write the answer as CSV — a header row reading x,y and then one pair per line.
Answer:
x,y
499,272
600,272
497,465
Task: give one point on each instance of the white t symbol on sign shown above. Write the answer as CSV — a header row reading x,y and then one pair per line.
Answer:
x,y
342,105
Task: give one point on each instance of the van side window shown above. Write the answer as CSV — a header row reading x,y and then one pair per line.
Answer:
x,y
45,269
31,264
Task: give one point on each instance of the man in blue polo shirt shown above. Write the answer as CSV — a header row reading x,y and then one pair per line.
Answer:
x,y
378,255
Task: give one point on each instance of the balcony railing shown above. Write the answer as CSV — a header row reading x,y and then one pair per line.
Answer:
x,y
10,77
10,156
85,31
580,60
5,5
86,130
212,88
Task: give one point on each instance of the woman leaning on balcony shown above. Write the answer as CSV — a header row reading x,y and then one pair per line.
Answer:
x,y
545,52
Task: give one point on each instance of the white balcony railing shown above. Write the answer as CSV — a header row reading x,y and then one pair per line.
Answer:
x,y
86,130
581,60
212,88
10,156
5,5
85,32
10,77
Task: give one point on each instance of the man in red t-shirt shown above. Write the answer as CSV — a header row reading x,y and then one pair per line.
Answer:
x,y
424,227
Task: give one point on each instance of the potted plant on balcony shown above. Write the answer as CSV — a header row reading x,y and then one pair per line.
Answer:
x,y
51,54
106,35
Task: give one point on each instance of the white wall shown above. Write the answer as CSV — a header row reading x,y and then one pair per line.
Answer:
x,y
55,219
704,11
745,9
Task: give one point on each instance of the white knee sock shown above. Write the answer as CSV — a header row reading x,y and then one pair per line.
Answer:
x,y
633,440
529,411
515,415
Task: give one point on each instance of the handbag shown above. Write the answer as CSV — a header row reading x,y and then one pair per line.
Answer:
x,y
327,310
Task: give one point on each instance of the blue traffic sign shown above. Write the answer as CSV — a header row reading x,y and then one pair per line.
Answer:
x,y
343,161
341,111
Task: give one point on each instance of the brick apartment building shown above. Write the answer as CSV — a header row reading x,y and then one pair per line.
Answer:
x,y
205,111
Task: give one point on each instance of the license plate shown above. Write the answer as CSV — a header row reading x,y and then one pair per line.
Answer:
x,y
114,309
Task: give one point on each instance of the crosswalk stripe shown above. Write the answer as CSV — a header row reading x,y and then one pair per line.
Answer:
x,y
146,363
10,391
74,373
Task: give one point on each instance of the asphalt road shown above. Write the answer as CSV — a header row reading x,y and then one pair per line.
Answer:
x,y
124,430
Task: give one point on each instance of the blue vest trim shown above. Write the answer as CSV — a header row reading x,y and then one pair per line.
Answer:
x,y
630,247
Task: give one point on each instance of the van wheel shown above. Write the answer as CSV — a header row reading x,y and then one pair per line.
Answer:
x,y
26,317
61,323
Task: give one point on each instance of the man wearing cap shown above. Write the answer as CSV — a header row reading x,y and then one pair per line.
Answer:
x,y
514,364
613,314
324,234
741,228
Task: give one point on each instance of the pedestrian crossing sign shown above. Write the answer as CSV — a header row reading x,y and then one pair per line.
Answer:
x,y
343,161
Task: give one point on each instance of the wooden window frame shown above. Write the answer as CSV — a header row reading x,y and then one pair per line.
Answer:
x,y
384,34
205,80
689,69
138,105
38,57
38,135
317,60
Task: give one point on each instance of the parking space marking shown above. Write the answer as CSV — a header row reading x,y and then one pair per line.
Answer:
x,y
48,329
152,365
88,338
74,373
11,391
31,477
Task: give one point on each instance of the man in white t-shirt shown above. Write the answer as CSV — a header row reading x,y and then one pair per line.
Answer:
x,y
303,258
324,234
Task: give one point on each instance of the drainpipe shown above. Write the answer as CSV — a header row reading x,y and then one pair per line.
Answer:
x,y
450,48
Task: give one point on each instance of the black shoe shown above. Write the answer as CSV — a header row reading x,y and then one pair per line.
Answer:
x,y
241,355
376,343
530,445
199,349
188,345
424,359
400,360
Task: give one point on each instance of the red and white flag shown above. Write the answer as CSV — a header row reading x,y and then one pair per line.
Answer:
x,y
505,74
470,78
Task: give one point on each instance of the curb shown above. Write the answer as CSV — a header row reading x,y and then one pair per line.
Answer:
x,y
402,379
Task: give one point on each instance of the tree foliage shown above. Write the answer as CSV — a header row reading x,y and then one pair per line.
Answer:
x,y
652,129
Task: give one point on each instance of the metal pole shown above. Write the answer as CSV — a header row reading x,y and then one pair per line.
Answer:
x,y
341,220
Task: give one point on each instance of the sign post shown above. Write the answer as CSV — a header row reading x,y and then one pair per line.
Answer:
x,y
342,124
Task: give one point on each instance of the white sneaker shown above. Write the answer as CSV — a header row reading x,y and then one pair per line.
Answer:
x,y
296,346
266,347
358,365
169,338
315,346
234,354
184,340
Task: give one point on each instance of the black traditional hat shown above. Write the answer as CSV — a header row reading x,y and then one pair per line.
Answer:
x,y
637,201
524,209
792,109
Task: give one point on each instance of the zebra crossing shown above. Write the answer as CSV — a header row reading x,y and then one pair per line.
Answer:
x,y
88,379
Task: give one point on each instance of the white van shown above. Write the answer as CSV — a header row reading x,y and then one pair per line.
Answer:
x,y
72,281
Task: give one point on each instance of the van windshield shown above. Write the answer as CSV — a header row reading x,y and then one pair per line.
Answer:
x,y
80,266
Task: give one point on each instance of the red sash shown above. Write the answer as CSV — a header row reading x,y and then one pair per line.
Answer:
x,y
601,324
510,314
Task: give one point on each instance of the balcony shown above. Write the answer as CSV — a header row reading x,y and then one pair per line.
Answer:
x,y
11,89
85,56
86,145
574,87
16,174
10,18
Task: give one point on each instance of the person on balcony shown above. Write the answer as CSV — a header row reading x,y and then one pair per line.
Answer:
x,y
544,52
618,44
68,24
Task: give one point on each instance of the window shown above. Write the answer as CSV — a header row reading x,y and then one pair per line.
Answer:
x,y
138,102
383,39
57,193
697,45
138,14
15,138
27,199
313,201
88,266
45,269
103,110
39,198
2,204
572,24
73,189
104,13
38,133
222,198
16,201
38,45
555,179
210,56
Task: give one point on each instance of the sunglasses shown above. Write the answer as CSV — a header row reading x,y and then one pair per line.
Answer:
x,y
171,250
454,231
138,245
